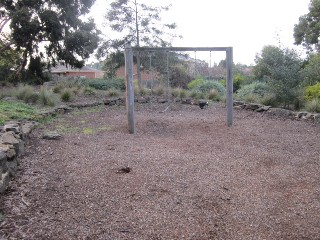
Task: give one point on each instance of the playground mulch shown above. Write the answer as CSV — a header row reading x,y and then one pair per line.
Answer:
x,y
183,175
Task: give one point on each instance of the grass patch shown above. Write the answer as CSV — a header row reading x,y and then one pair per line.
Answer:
x,y
15,111
313,105
88,131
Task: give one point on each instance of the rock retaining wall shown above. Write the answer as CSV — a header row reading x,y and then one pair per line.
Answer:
x,y
13,137
278,112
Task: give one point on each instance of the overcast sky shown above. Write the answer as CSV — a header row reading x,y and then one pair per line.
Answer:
x,y
245,25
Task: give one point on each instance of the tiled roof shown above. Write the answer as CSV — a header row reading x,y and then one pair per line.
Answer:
x,y
63,69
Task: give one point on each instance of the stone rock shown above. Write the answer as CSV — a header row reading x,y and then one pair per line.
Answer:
x,y
238,103
12,166
239,107
27,129
301,114
3,162
307,116
111,101
316,119
4,181
186,100
63,109
280,112
263,109
162,100
4,147
253,106
54,135
12,127
143,99
9,138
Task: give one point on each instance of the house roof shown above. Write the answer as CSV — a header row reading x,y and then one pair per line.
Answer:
x,y
62,69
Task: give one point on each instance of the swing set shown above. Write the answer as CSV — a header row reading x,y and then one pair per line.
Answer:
x,y
129,76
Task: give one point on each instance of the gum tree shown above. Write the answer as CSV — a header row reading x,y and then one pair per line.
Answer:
x,y
307,31
47,30
280,68
139,25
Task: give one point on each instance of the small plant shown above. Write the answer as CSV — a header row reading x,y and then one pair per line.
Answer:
x,y
88,131
89,91
312,92
313,105
195,83
23,92
158,91
194,94
214,95
66,95
175,92
113,92
183,93
46,97
143,91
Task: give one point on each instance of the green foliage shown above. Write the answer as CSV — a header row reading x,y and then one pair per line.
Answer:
x,y
238,81
312,92
46,97
158,90
313,105
306,32
280,68
142,91
311,71
195,83
23,92
112,92
254,91
105,84
66,95
214,95
55,24
179,76
15,111
89,91
141,23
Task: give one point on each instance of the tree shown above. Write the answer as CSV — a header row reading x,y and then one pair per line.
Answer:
x,y
48,30
280,68
311,71
139,24
307,31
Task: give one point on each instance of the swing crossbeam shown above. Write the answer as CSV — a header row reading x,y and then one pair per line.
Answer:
x,y
180,49
129,76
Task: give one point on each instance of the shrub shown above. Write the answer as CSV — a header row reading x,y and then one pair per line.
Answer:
x,y
24,92
214,95
66,95
312,92
313,105
211,84
195,83
255,90
183,93
143,91
113,92
103,84
194,94
46,97
158,91
89,91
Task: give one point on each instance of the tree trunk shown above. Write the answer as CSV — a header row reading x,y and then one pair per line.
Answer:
x,y
138,45
23,64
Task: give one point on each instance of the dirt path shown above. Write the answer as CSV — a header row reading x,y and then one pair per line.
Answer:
x,y
191,178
